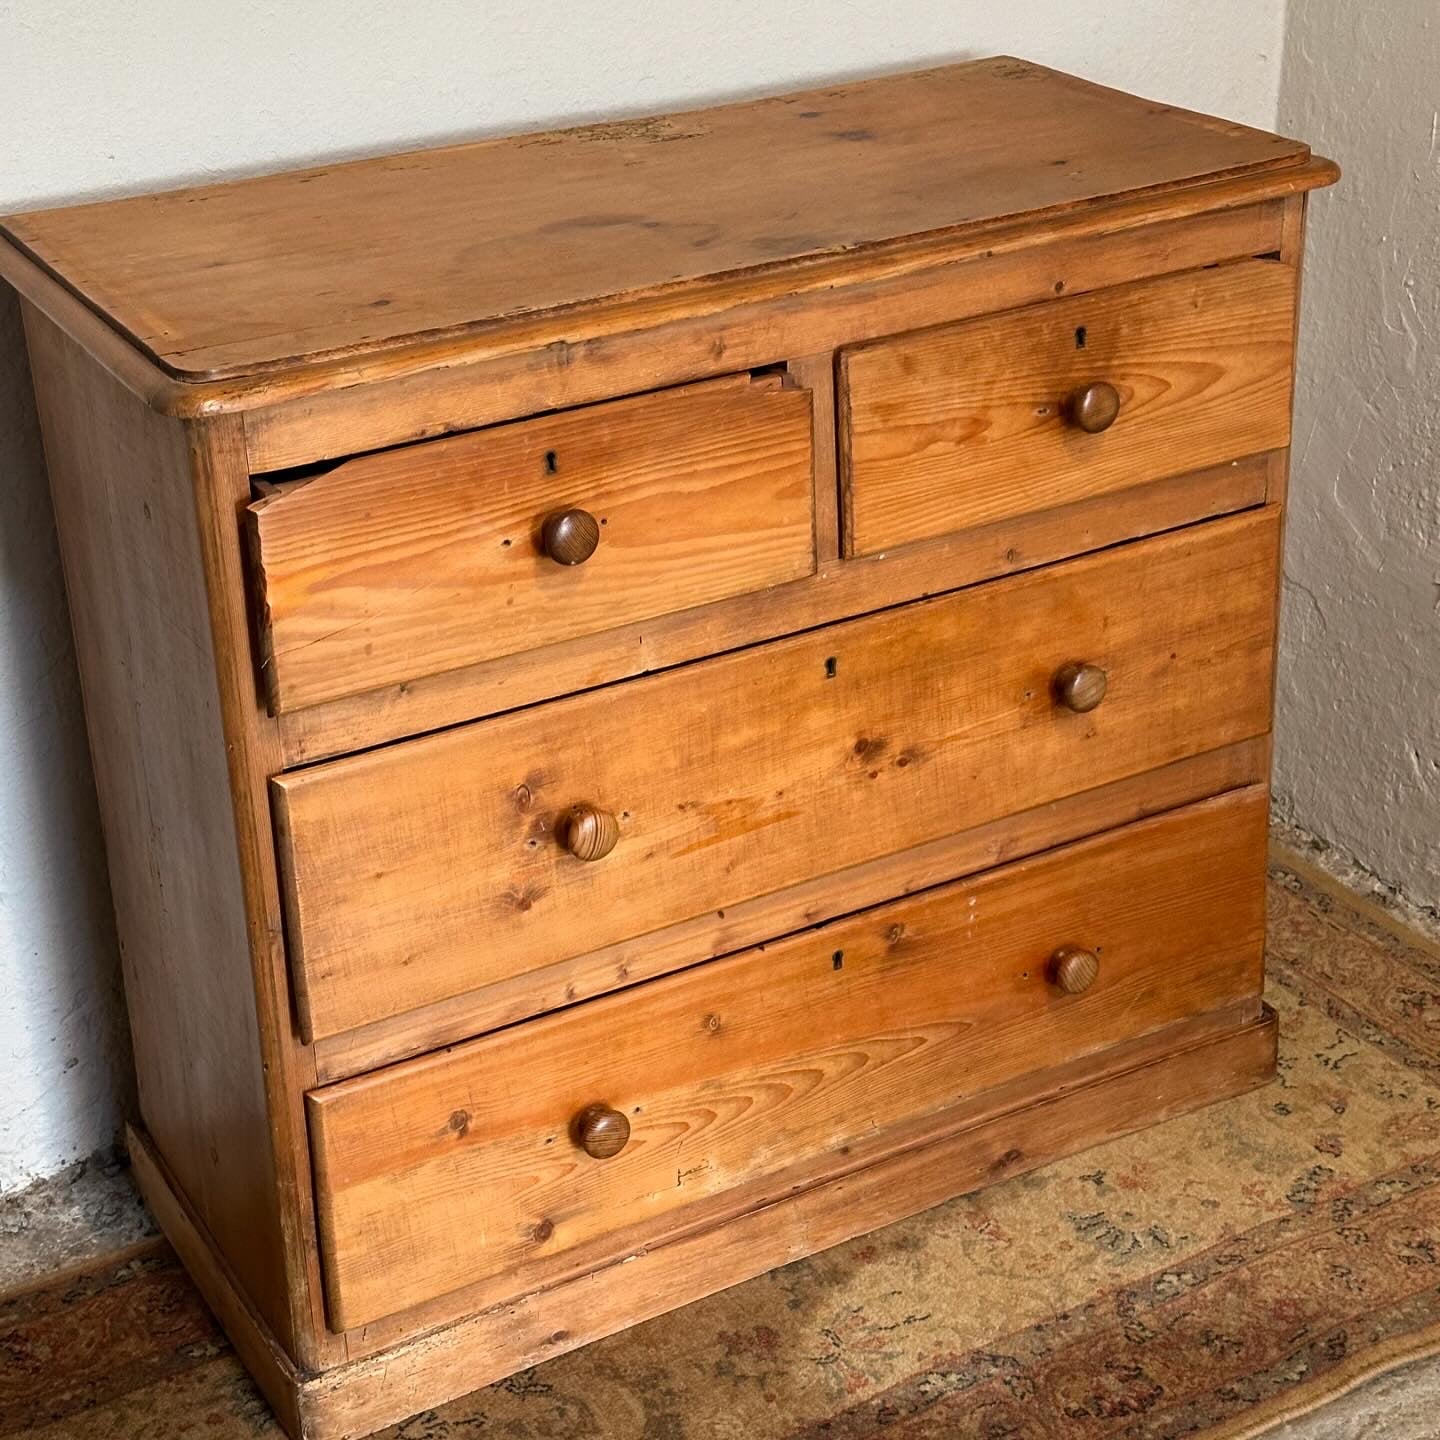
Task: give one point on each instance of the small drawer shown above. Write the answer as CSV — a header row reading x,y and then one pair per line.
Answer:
x,y
440,865
970,424
561,1140
444,554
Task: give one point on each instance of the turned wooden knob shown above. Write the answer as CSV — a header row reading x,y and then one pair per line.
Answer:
x,y
1080,686
588,832
601,1132
1073,969
1095,408
569,537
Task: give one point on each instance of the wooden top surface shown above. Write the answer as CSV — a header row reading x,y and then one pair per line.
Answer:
x,y
273,274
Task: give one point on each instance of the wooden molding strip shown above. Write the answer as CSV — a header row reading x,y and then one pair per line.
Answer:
x,y
1370,907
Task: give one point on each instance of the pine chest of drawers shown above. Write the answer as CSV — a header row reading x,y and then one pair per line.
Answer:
x,y
667,693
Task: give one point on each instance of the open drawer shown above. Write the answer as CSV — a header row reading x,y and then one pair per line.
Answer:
x,y
423,559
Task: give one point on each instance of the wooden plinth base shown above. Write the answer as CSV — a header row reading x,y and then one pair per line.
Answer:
x,y
1000,1134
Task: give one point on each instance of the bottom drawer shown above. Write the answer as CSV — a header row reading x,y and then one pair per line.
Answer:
x,y
585,1128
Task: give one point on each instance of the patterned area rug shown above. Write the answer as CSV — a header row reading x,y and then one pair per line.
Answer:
x,y
1206,1277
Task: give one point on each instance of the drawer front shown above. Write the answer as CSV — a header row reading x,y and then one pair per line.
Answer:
x,y
444,864
501,1154
440,555
968,424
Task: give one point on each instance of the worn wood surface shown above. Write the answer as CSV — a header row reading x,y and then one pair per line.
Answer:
x,y
538,365
252,755
1011,1130
1292,252
754,921
838,590
271,1368
122,482
816,373
427,558
468,1164
958,426
439,384
264,274
432,868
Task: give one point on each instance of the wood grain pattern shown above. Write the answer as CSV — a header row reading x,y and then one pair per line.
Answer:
x,y
1053,1113
272,1369
427,558
1005,1132
528,366
262,274
461,1166
1073,969
432,868
122,482
838,590
816,373
401,394
962,425
221,492
752,922
1291,252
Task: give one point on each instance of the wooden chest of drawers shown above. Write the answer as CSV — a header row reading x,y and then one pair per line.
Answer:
x,y
667,693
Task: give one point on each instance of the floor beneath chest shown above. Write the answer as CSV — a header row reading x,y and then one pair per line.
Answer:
x,y
1217,1275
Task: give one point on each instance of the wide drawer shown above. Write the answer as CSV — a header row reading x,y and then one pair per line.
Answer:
x,y
969,424
444,864
444,554
569,1135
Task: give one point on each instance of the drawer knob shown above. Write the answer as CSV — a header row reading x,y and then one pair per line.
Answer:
x,y
601,1131
1080,686
1073,969
569,537
1096,407
588,832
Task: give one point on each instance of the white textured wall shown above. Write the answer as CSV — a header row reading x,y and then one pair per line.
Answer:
x,y
1358,725
104,98
64,1066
